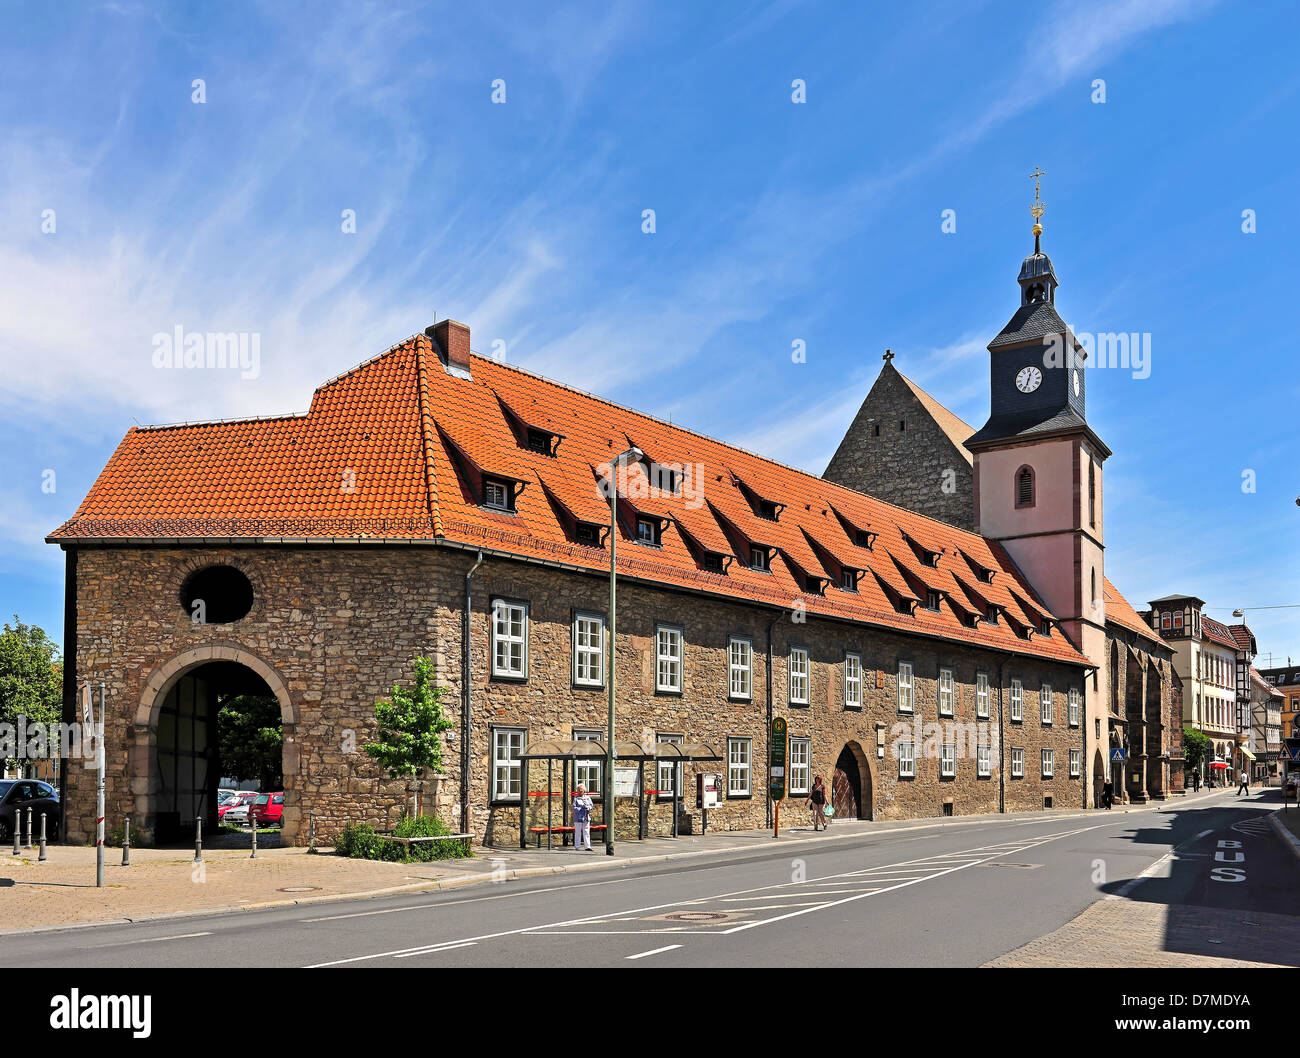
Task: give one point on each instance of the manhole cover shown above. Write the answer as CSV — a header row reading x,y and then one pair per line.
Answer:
x,y
697,916
298,889
1022,866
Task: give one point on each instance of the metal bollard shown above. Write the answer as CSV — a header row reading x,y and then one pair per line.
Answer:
x,y
29,827
18,831
198,840
41,858
126,842
311,831
250,816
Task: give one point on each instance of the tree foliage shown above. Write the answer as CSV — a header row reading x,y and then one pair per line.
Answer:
x,y
251,740
1196,749
31,675
411,725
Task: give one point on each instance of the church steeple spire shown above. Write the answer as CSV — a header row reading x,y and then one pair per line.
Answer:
x,y
1037,278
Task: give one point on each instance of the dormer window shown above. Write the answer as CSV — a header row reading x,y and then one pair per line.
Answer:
x,y
759,559
647,532
863,538
849,579
587,534
712,562
666,479
498,495
1045,627
992,615
540,441
932,600
813,584
768,509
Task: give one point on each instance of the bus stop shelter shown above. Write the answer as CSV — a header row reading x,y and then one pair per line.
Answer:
x,y
570,753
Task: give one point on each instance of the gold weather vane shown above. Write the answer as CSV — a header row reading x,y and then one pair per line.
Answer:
x,y
1039,205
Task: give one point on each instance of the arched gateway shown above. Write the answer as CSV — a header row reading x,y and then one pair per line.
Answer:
x,y
175,735
851,784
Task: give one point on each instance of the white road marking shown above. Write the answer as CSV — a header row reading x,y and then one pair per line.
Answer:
x,y
436,949
154,940
594,919
1150,872
656,951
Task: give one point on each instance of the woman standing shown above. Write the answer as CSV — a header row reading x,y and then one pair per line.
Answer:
x,y
817,802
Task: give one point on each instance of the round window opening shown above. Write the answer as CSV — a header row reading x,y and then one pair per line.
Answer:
x,y
217,595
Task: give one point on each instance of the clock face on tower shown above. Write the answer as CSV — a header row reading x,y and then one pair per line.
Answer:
x,y
1029,379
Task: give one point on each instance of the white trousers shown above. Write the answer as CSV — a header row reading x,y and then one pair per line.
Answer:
x,y
581,833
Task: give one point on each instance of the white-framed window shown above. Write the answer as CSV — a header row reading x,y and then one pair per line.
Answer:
x,y
982,695
668,659
798,676
1049,763
496,494
983,761
509,639
740,665
852,681
758,558
588,650
507,745
1017,700
1017,764
1076,702
906,692
800,765
739,759
1074,764
666,780
1046,711
945,692
906,760
587,773
947,761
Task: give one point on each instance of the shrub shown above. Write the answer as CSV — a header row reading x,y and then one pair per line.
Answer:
x,y
362,841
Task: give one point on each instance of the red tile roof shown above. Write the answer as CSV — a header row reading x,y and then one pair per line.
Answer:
x,y
1218,633
393,451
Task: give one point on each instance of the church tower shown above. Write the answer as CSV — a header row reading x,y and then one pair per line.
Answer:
x,y
1038,476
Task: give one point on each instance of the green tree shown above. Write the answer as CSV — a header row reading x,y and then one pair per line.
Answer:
x,y
251,740
31,676
411,724
1196,750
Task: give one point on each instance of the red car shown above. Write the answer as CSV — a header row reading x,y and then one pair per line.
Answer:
x,y
267,810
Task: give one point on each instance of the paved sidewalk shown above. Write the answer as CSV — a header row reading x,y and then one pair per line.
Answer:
x,y
1133,933
164,882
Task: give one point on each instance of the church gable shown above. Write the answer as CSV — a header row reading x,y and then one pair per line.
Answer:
x,y
906,448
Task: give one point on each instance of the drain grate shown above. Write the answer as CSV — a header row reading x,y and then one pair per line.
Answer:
x,y
1020,866
298,889
697,916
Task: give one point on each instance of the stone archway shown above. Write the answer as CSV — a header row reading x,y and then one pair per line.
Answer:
x,y
143,759
851,792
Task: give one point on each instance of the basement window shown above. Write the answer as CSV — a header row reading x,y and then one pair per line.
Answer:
x,y
217,595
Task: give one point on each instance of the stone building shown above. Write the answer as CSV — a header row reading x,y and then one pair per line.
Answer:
x,y
1286,678
433,502
906,448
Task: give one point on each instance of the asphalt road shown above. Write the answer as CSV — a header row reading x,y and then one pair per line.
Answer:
x,y
956,895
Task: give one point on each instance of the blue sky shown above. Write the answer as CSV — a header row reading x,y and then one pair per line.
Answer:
x,y
775,221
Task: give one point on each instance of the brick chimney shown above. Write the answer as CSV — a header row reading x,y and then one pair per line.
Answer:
x,y
451,339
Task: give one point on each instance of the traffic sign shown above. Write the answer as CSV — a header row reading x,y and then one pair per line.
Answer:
x,y
1118,755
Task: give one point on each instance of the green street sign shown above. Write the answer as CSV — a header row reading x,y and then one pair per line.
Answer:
x,y
776,763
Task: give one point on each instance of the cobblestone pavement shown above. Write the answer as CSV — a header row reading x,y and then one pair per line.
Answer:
x,y
1135,933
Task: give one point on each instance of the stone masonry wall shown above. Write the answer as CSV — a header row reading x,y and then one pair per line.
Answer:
x,y
337,627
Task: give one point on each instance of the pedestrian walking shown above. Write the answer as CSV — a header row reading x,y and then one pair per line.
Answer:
x,y
1107,794
817,802
1244,786
581,820
1196,782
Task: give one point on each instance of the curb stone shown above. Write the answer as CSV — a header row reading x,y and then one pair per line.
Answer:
x,y
1288,839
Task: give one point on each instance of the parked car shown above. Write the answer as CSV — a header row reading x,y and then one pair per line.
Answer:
x,y
236,809
268,809
17,796
224,796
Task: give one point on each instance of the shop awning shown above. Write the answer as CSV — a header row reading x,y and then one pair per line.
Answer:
x,y
1218,764
1247,753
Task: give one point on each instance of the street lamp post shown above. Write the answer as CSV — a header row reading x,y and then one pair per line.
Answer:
x,y
635,454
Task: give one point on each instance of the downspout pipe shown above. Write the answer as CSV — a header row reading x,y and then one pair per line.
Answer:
x,y
466,674
768,801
